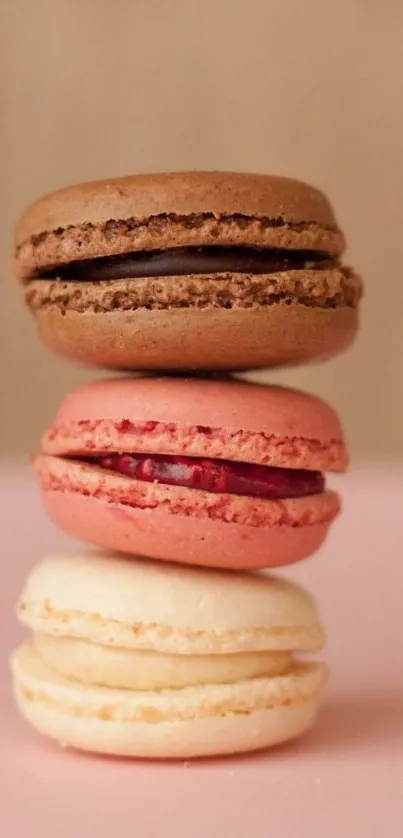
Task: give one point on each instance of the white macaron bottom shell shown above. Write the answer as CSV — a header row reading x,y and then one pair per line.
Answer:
x,y
212,736
259,714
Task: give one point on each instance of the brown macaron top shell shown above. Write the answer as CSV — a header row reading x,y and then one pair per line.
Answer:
x,y
188,209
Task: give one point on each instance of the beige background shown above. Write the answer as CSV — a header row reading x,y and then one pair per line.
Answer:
x,y
310,88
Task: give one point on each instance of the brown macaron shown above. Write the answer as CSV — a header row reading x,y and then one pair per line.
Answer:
x,y
191,270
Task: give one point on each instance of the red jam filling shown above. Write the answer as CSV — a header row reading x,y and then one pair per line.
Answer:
x,y
216,475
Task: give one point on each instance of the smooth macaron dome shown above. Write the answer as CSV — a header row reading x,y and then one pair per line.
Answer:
x,y
221,473
133,658
200,270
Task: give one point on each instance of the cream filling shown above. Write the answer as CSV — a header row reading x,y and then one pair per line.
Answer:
x,y
134,669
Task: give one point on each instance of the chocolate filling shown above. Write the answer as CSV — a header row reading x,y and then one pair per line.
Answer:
x,y
190,260
215,475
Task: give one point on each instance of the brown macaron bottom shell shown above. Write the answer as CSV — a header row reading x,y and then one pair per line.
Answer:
x,y
205,339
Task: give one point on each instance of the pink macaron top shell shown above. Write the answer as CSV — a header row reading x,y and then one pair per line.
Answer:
x,y
234,405
224,419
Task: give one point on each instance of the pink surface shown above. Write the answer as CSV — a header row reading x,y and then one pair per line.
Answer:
x,y
343,779
230,404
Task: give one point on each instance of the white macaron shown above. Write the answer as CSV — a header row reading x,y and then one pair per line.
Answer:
x,y
135,658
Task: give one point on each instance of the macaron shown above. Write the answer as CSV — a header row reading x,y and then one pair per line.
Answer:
x,y
197,270
219,473
133,658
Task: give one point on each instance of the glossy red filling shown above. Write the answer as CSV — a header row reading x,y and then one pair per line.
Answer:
x,y
216,475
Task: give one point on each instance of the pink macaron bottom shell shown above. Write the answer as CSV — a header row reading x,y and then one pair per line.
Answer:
x,y
178,538
181,524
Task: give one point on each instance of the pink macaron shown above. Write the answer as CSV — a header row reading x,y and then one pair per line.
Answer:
x,y
217,473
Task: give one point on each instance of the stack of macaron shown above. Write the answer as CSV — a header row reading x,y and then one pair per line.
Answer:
x,y
165,637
